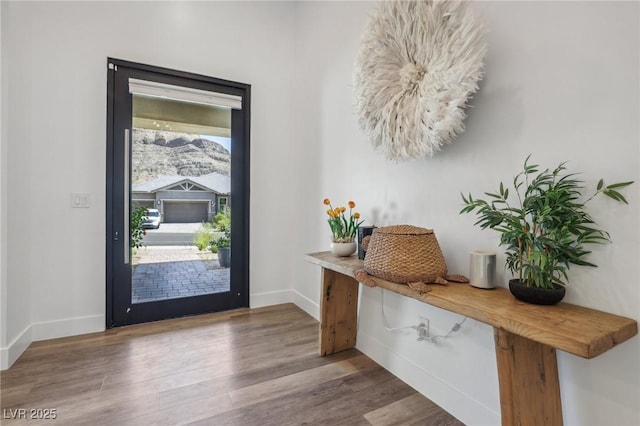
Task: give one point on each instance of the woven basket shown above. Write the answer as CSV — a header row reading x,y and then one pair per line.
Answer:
x,y
405,254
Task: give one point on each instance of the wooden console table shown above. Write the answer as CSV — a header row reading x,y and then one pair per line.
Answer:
x,y
526,336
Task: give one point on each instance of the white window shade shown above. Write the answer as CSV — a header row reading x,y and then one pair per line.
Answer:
x,y
184,94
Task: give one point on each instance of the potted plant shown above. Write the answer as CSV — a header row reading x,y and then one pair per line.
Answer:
x,y
343,228
545,229
223,244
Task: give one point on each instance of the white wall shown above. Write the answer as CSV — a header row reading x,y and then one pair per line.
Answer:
x,y
562,83
3,199
54,55
16,303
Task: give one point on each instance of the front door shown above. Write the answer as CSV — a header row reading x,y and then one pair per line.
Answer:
x,y
177,143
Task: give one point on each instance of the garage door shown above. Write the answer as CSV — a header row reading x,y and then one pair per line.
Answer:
x,y
185,212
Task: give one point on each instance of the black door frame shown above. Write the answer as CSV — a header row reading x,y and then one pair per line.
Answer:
x,y
240,185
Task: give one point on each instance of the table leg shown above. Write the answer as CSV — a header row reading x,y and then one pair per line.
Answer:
x,y
338,312
528,381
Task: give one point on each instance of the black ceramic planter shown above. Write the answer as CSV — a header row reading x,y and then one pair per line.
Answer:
x,y
536,295
224,257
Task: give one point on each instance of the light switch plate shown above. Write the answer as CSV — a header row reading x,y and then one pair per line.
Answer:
x,y
80,200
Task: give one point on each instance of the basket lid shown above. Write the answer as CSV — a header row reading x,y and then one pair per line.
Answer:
x,y
403,230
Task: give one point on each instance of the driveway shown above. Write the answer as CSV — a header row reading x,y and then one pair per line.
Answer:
x,y
171,234
170,272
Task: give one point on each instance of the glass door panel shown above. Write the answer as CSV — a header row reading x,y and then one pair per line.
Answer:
x,y
180,169
174,195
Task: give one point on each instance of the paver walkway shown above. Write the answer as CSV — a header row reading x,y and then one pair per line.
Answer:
x,y
171,272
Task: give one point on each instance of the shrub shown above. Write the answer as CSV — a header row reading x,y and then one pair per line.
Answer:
x,y
203,236
137,216
222,220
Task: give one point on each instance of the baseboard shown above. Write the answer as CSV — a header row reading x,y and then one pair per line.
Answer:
x,y
465,408
461,405
67,327
306,304
12,352
258,300
268,298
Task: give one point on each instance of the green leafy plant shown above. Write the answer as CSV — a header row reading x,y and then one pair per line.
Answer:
x,y
343,227
223,241
137,232
547,228
222,220
222,223
203,236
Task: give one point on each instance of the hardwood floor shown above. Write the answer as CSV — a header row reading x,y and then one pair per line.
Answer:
x,y
243,367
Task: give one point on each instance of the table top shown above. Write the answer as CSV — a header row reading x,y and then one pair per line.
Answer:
x,y
575,329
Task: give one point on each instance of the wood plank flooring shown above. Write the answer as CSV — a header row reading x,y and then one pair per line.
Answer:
x,y
244,367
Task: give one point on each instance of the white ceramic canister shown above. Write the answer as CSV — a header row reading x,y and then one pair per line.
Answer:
x,y
482,269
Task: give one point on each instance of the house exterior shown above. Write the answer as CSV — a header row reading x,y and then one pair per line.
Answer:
x,y
184,199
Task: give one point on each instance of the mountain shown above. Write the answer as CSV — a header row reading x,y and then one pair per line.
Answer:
x,y
156,153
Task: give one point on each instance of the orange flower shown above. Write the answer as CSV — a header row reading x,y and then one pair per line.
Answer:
x,y
344,226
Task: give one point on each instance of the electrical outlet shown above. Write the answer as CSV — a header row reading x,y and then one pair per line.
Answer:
x,y
423,333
